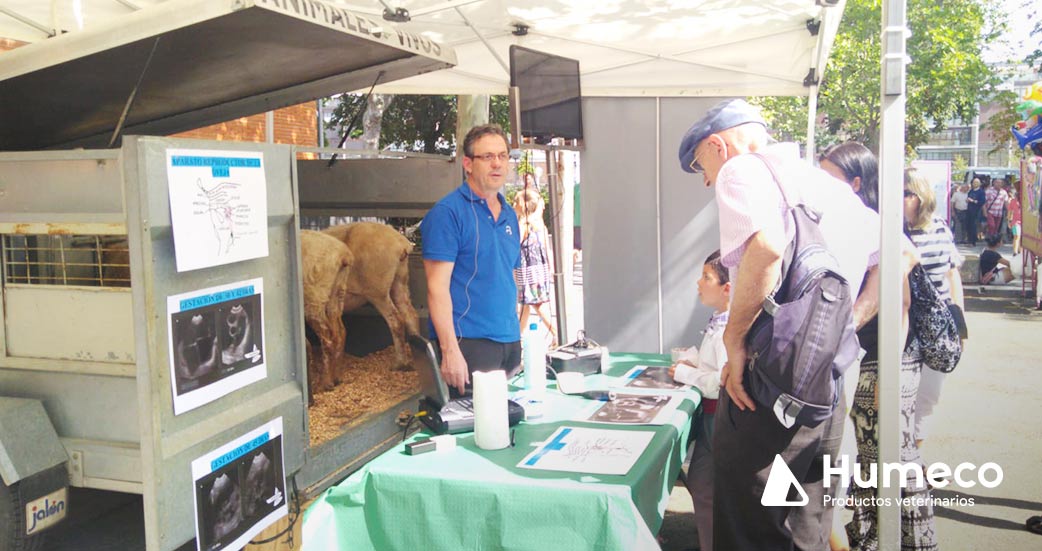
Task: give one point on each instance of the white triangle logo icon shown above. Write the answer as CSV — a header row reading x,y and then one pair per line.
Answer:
x,y
776,492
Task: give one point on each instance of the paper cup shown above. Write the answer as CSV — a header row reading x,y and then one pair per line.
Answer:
x,y
571,382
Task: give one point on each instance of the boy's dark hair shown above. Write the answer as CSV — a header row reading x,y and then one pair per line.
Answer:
x,y
993,240
714,263
479,132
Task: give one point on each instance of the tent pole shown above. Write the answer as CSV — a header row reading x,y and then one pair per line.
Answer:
x,y
29,22
555,221
812,117
891,188
483,41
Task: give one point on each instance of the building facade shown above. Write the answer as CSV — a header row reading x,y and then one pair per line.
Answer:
x,y
973,141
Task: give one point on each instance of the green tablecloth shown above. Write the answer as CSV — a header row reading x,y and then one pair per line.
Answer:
x,y
469,498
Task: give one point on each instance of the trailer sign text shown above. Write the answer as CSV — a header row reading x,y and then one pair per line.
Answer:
x,y
45,512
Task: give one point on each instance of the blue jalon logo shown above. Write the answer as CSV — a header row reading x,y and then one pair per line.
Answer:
x,y
45,511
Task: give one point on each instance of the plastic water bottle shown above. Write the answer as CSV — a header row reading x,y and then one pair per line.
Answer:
x,y
534,361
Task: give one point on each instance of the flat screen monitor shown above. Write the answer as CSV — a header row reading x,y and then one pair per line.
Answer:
x,y
550,96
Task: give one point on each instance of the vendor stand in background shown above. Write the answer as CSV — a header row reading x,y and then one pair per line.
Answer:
x,y
939,175
468,498
1030,193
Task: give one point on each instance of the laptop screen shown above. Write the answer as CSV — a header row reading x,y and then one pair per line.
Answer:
x,y
425,362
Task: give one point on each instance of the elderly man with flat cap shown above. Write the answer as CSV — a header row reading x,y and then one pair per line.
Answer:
x,y
754,233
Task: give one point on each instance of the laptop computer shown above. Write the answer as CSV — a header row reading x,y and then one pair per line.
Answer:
x,y
446,415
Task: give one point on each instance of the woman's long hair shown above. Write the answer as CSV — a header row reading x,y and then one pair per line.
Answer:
x,y
527,203
856,161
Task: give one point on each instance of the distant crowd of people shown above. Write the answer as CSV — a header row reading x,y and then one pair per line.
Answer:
x,y
981,211
989,212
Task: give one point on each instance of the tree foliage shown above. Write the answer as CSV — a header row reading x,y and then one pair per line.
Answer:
x,y
417,123
525,166
499,111
787,118
946,78
424,124
1000,123
959,166
1035,52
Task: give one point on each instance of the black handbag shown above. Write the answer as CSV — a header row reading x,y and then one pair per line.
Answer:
x,y
960,320
932,323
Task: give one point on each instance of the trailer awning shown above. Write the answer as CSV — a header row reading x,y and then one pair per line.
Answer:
x,y
183,64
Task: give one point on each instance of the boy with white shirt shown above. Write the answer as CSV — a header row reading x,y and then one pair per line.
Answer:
x,y
700,368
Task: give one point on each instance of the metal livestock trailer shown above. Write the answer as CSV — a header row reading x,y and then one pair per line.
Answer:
x,y
88,381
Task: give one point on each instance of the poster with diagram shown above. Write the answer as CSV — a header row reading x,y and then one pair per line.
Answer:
x,y
216,340
218,207
589,450
239,489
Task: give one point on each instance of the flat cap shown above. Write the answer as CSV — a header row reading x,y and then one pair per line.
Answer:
x,y
726,114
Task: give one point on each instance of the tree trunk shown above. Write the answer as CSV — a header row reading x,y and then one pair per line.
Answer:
x,y
471,111
372,120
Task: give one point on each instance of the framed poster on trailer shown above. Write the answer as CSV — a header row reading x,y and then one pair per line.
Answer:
x,y
216,340
239,489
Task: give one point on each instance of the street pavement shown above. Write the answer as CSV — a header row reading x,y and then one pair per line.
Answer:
x,y
989,412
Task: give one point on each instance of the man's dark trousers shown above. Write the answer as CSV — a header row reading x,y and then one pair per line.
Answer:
x,y
744,446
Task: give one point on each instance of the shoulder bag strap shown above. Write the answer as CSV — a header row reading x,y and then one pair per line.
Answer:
x,y
770,302
774,174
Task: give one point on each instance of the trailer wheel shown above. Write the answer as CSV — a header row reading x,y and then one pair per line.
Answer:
x,y
12,508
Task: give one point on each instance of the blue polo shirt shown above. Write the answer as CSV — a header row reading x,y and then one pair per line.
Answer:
x,y
460,229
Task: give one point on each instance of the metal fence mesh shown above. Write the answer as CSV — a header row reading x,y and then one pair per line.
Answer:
x,y
87,260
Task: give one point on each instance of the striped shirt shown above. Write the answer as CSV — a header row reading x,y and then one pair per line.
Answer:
x,y
938,253
995,201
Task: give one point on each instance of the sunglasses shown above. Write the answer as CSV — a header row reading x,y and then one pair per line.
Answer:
x,y
910,193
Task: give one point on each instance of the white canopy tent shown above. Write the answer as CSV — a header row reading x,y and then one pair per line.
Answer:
x,y
630,47
625,47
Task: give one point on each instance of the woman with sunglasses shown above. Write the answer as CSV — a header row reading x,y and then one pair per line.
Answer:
x,y
854,164
941,260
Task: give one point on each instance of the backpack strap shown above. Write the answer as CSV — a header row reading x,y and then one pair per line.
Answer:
x,y
770,304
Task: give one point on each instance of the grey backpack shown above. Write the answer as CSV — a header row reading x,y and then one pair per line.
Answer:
x,y
804,338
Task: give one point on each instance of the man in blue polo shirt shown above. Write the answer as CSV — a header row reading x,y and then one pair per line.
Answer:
x,y
470,249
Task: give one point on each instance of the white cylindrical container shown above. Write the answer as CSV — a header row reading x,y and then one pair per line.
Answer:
x,y
491,425
534,360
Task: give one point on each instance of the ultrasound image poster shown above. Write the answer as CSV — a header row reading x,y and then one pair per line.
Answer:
x,y
239,489
216,340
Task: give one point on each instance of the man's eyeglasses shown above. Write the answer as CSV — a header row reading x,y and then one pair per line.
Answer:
x,y
488,157
696,167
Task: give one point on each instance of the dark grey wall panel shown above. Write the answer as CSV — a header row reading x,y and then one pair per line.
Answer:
x,y
618,216
689,226
644,230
